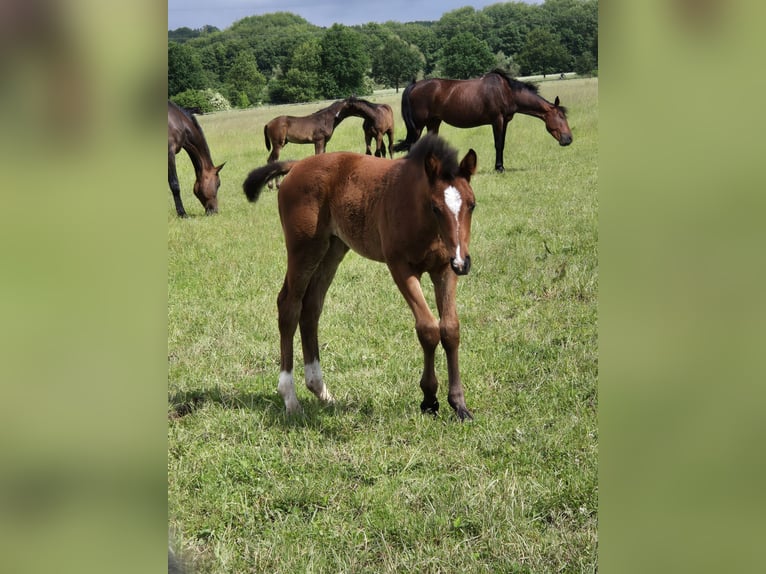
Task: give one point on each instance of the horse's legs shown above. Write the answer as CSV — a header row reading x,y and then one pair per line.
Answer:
x,y
302,260
499,127
319,146
175,187
380,150
390,143
313,301
368,142
289,310
276,147
445,283
427,329
432,126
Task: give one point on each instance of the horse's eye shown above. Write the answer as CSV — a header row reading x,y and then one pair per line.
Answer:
x,y
471,206
435,208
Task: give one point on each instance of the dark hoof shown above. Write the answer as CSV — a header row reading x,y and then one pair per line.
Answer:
x,y
463,414
183,215
431,409
499,169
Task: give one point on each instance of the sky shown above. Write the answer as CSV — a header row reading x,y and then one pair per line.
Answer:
x,y
223,13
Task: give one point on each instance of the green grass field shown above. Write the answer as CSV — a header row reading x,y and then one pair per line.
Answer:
x,y
370,484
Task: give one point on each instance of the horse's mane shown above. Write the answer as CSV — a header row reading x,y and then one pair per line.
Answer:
x,y
365,103
432,144
332,106
516,85
192,118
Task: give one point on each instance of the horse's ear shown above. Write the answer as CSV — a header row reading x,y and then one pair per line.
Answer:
x,y
433,167
468,165
556,102
220,167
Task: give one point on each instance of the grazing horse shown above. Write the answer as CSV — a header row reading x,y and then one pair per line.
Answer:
x,y
378,121
413,214
491,99
184,132
315,128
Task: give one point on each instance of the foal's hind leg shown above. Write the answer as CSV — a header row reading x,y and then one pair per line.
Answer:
x,y
313,301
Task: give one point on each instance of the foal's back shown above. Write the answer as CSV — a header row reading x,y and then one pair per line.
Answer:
x,y
338,193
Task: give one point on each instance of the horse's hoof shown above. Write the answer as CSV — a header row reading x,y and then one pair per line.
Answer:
x,y
463,414
431,409
499,169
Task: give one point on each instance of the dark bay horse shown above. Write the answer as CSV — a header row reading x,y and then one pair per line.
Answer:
x,y
378,121
315,128
413,214
491,99
184,132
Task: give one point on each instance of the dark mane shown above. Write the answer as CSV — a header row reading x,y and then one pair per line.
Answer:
x,y
188,114
516,85
354,100
432,144
332,106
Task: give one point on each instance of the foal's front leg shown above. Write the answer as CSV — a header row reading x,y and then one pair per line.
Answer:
x,y
427,328
445,286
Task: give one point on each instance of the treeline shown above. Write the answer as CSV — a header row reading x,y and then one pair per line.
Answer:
x,y
282,58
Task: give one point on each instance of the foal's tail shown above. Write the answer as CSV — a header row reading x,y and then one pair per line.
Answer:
x,y
266,137
257,178
412,134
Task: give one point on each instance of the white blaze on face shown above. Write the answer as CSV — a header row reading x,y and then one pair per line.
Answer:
x,y
454,201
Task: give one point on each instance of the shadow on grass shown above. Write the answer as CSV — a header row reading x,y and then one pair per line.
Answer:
x,y
269,405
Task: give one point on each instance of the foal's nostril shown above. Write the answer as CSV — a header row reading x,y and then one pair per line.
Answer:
x,y
462,268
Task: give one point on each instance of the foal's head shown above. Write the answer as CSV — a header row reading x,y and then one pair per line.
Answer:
x,y
451,196
206,188
556,123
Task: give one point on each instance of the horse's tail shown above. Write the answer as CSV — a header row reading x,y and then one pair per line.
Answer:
x,y
257,178
409,121
266,137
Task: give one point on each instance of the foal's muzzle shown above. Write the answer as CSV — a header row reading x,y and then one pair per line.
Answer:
x,y
461,268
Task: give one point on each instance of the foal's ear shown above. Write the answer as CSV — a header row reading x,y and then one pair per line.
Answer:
x,y
433,167
468,165
220,167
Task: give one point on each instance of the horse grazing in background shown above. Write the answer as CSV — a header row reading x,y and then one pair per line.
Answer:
x,y
378,121
413,214
184,132
315,128
491,99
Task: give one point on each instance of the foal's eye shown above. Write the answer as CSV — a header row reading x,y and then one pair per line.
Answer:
x,y
471,206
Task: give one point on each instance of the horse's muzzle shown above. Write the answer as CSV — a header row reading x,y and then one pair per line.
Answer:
x,y
565,140
461,268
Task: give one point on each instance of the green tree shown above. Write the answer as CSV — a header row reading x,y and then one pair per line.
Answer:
x,y
423,37
395,63
244,77
543,53
184,69
301,82
344,62
465,56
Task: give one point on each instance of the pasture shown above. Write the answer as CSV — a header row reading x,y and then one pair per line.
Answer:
x,y
370,484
